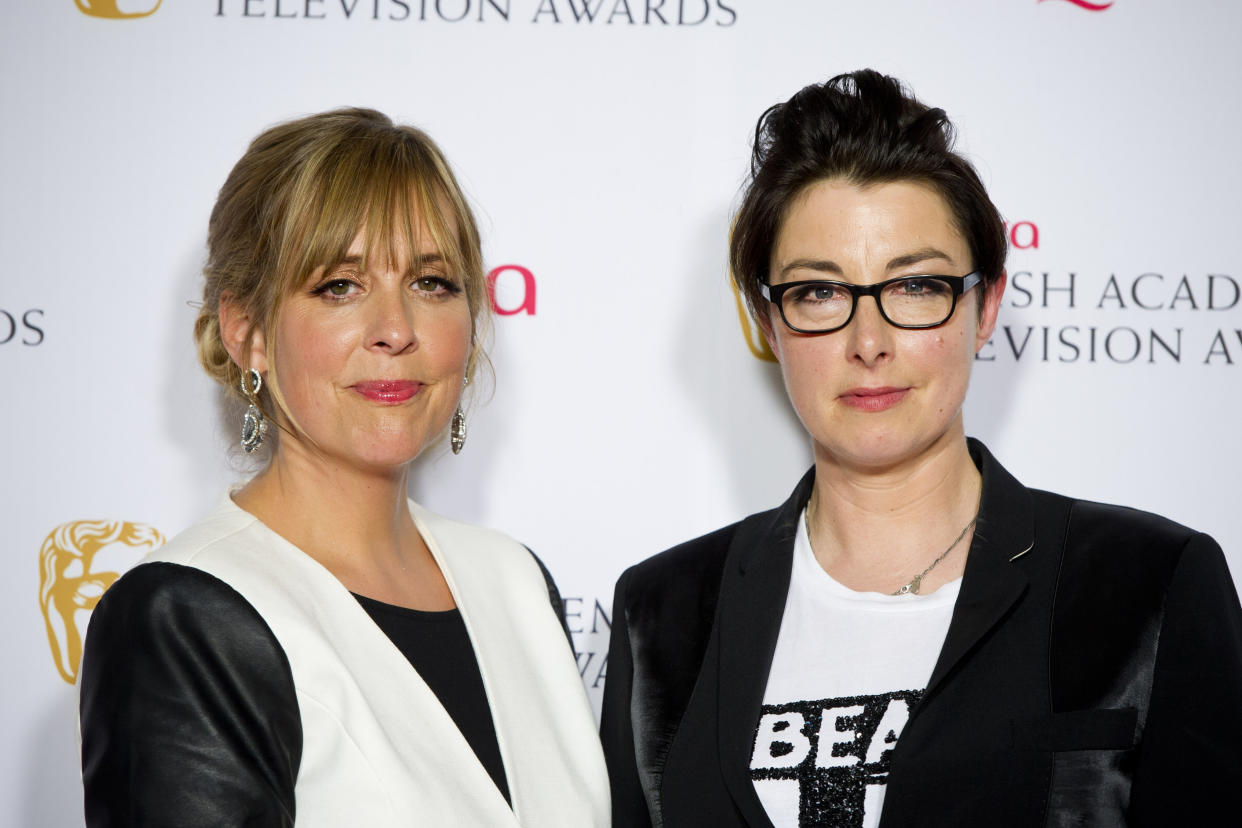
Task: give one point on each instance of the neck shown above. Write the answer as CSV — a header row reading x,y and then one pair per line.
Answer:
x,y
875,529
354,521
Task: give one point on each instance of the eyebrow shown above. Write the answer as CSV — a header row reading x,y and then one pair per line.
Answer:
x,y
905,260
423,259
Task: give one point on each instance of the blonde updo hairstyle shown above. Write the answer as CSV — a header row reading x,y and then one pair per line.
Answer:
x,y
295,202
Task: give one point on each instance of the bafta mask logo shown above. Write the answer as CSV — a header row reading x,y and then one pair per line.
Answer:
x,y
118,9
755,339
77,563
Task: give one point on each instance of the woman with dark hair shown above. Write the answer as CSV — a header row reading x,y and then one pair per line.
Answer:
x,y
320,648
913,637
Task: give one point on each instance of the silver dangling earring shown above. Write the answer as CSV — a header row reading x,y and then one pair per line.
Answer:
x,y
457,430
254,425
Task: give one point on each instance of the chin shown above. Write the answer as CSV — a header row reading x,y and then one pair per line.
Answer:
x,y
388,457
876,452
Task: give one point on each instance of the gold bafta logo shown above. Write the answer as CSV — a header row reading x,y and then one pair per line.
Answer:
x,y
112,9
77,563
755,339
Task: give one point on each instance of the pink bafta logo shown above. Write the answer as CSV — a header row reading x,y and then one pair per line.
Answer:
x,y
1089,6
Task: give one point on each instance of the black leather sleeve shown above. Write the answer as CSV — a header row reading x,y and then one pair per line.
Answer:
x,y
188,711
1189,765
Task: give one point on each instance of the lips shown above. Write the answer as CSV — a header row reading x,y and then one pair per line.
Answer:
x,y
873,399
389,392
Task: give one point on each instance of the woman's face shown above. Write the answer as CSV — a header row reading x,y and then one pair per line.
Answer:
x,y
370,363
873,396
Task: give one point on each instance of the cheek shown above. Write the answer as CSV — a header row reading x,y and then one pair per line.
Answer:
x,y
949,357
806,367
308,355
448,341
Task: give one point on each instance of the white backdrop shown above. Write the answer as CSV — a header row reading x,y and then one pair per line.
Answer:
x,y
605,155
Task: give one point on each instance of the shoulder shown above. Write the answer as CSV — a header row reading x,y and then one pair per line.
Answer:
x,y
224,528
1071,533
690,567
176,600
1108,534
1144,571
1089,519
173,650
160,605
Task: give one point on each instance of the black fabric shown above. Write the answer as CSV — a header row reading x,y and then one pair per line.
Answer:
x,y
188,710
439,648
554,598
1091,674
672,628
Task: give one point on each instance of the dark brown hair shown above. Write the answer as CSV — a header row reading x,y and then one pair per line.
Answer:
x,y
865,128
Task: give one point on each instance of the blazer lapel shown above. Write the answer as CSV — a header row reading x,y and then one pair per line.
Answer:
x,y
991,585
752,602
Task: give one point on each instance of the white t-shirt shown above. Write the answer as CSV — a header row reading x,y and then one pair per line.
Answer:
x,y
848,668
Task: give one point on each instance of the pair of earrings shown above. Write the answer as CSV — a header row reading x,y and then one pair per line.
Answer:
x,y
254,424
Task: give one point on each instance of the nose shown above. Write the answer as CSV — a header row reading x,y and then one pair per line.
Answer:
x,y
392,322
870,337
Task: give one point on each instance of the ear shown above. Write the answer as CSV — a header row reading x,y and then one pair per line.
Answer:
x,y
765,327
991,299
235,326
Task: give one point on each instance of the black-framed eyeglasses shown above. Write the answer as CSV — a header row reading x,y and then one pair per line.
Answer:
x,y
821,306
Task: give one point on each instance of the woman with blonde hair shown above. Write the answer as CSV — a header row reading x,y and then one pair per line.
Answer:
x,y
320,648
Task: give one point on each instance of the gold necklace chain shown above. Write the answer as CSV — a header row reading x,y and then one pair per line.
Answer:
x,y
913,585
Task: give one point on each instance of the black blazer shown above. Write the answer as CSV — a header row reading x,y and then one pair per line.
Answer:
x,y
1091,674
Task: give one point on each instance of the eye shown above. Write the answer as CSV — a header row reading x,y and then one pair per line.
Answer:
x,y
336,288
436,285
816,293
921,286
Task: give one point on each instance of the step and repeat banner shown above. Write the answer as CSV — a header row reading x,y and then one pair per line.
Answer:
x,y
604,143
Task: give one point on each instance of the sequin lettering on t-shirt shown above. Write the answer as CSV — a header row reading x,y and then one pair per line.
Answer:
x,y
836,751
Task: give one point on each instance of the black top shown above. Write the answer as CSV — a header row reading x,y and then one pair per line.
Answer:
x,y
438,647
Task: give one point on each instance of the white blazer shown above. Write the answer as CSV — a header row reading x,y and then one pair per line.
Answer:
x,y
378,747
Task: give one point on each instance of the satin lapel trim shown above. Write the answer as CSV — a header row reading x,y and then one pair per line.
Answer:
x,y
752,604
991,583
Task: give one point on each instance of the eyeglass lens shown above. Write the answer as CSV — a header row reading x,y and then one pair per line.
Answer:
x,y
916,301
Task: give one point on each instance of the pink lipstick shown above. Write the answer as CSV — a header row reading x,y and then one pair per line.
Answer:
x,y
388,392
873,399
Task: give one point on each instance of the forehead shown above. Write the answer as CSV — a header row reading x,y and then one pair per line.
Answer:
x,y
399,237
403,234
867,226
